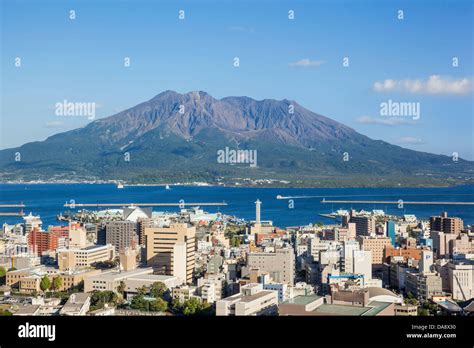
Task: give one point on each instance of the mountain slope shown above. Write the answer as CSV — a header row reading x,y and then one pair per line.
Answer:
x,y
176,137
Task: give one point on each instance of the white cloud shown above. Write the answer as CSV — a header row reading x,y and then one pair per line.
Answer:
x,y
435,84
307,62
410,141
386,121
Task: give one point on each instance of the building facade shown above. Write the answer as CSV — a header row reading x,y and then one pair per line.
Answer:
x,y
171,250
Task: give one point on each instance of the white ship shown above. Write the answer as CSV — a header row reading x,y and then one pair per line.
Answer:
x,y
167,187
120,186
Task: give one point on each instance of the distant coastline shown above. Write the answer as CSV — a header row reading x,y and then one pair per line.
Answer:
x,y
275,184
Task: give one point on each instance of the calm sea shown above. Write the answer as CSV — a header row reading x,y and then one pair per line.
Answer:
x,y
47,200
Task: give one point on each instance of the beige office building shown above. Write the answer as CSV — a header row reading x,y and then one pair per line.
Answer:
x,y
280,264
423,286
28,279
77,236
376,245
128,259
442,242
70,259
121,234
171,250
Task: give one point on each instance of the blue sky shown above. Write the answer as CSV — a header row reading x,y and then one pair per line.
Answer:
x,y
301,59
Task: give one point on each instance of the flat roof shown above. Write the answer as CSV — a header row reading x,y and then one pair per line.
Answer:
x,y
156,277
124,274
302,300
28,309
92,247
336,309
377,307
256,296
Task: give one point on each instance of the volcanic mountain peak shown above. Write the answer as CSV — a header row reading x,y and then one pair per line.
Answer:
x,y
188,114
179,134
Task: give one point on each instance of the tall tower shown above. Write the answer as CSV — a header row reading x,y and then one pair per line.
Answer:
x,y
257,211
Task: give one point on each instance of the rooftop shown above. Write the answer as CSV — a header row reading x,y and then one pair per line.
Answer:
x,y
256,296
302,300
377,307
116,275
27,310
153,277
336,309
75,302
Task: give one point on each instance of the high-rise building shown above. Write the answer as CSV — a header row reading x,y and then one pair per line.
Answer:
x,y
390,228
446,224
442,242
362,263
170,250
121,234
376,245
77,236
142,224
347,264
279,264
365,225
41,241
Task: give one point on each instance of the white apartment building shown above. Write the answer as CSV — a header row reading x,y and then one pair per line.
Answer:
x,y
251,301
461,280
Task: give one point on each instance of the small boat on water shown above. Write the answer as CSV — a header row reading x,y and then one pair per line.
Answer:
x,y
120,186
167,187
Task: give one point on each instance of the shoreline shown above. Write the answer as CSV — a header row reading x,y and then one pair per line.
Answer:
x,y
233,186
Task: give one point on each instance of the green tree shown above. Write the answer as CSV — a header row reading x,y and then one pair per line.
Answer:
x,y
176,306
158,305
45,283
142,291
57,283
194,306
423,312
3,274
139,303
191,306
235,241
410,299
158,289
109,297
100,298
5,313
